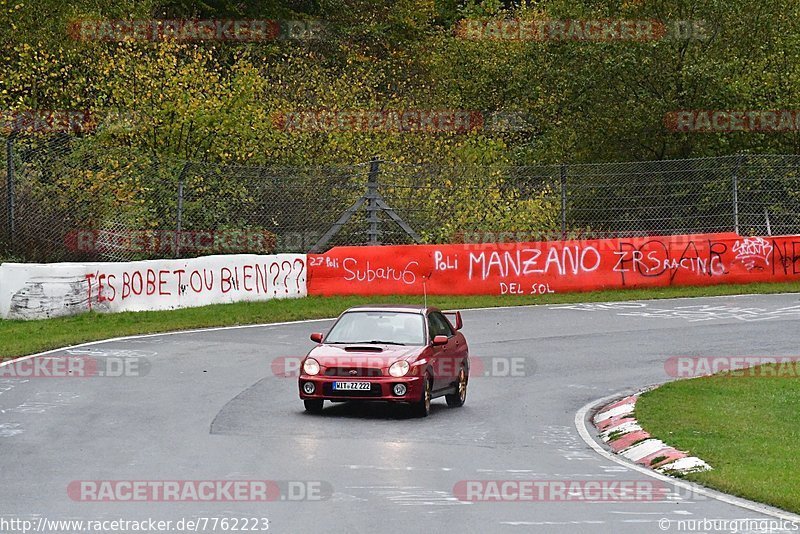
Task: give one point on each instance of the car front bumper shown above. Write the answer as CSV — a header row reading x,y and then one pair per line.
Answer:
x,y
381,388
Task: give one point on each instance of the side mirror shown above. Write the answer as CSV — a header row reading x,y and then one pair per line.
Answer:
x,y
440,340
316,337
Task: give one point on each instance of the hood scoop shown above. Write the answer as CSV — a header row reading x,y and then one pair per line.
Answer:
x,y
363,348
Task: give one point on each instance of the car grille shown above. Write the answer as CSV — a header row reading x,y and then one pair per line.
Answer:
x,y
359,371
374,391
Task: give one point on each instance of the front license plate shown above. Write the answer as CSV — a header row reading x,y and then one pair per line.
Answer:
x,y
351,386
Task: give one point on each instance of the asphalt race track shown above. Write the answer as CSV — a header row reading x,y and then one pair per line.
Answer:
x,y
209,406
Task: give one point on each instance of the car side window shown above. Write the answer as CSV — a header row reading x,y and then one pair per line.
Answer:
x,y
433,328
437,326
448,330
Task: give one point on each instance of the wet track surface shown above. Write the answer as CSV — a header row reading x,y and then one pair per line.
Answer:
x,y
210,407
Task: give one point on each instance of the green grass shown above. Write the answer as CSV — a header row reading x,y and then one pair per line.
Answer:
x,y
19,338
746,427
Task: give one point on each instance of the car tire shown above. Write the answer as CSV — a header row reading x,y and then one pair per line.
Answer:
x,y
422,408
458,398
313,405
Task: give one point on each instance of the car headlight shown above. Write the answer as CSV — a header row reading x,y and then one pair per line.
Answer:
x,y
311,366
399,368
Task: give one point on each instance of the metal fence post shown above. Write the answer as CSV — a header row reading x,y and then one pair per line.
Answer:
x,y
10,190
563,201
735,186
372,204
766,219
179,216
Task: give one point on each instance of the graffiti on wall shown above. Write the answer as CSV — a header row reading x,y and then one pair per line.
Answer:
x,y
548,267
39,291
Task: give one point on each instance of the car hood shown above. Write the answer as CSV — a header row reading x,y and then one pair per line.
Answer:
x,y
356,355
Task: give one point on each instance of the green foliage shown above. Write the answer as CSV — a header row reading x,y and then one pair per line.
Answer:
x,y
216,101
593,101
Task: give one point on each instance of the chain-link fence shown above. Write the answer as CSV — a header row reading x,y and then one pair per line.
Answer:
x,y
62,202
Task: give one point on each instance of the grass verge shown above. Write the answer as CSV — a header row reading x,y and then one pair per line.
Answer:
x,y
19,338
745,427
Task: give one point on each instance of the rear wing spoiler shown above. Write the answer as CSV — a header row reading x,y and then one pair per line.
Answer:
x,y
455,318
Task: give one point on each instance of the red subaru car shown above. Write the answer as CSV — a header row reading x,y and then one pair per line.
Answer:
x,y
409,354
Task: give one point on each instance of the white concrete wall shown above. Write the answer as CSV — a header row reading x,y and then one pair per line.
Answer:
x,y
38,291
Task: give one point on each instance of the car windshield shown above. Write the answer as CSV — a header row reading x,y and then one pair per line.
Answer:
x,y
394,328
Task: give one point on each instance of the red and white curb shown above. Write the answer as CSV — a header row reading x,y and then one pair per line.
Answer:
x,y
620,431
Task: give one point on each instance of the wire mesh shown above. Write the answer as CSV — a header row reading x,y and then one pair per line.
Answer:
x,y
72,202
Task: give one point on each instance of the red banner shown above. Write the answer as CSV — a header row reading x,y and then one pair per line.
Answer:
x,y
555,266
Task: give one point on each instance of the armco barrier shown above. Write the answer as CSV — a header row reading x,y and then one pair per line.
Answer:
x,y
548,267
37,291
